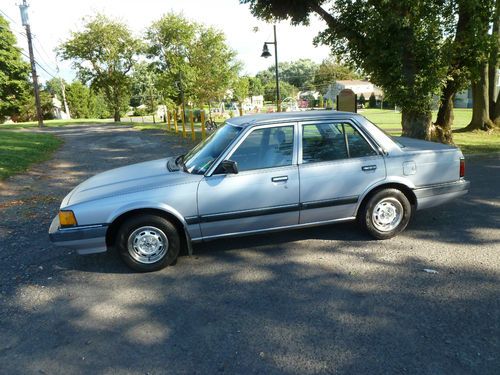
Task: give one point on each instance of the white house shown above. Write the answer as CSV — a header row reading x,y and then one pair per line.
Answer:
x,y
357,86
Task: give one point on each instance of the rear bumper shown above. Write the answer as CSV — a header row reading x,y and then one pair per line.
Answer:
x,y
84,239
434,195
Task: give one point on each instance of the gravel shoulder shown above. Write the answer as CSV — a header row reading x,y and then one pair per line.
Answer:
x,y
323,300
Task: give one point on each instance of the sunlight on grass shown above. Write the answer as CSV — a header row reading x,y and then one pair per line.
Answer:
x,y
19,150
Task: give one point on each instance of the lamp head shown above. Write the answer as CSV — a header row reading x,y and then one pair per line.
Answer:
x,y
265,51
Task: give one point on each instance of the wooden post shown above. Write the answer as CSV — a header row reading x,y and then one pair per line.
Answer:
x,y
183,119
191,119
176,126
168,120
203,130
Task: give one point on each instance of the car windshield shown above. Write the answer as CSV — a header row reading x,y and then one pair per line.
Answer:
x,y
201,157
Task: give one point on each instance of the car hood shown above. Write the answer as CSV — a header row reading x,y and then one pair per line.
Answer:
x,y
130,179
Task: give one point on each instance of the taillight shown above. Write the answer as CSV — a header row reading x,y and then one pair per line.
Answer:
x,y
462,167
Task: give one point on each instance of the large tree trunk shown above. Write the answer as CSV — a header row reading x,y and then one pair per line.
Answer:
x,y
495,117
416,124
116,115
493,66
480,105
442,127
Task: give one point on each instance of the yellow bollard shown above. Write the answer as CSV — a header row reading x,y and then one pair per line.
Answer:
x,y
183,119
176,126
191,119
168,120
203,131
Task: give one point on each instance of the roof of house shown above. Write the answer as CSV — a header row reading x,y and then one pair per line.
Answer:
x,y
354,82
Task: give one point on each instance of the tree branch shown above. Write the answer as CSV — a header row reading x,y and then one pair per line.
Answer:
x,y
327,17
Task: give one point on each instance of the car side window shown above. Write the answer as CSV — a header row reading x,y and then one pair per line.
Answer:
x,y
332,141
265,148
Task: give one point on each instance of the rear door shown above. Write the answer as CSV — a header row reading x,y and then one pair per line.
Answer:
x,y
337,164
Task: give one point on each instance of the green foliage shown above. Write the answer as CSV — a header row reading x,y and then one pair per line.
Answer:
x,y
83,102
299,73
330,71
103,54
321,102
255,86
27,110
286,90
372,101
241,87
193,61
144,91
14,84
362,100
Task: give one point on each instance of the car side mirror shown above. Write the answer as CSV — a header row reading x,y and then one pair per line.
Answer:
x,y
229,166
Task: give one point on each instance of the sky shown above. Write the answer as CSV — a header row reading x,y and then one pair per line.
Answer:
x,y
52,20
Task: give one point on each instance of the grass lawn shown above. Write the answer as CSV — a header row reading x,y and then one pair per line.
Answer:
x,y
18,150
478,142
391,120
54,123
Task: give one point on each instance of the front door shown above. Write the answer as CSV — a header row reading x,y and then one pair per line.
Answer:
x,y
265,192
337,165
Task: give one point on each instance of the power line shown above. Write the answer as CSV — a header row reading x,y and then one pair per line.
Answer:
x,y
40,66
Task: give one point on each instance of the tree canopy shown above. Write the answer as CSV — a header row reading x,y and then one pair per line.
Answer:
x,y
103,54
402,45
14,84
193,61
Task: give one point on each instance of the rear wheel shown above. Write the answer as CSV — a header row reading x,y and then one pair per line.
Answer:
x,y
386,214
148,243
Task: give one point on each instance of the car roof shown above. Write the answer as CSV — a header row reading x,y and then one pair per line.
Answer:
x,y
276,117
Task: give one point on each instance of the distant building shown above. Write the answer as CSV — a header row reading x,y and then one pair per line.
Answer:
x,y
57,110
252,103
357,86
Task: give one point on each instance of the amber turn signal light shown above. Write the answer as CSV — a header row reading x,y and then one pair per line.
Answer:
x,y
67,219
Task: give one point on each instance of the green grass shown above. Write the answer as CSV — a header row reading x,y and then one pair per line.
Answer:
x,y
391,120
54,123
19,150
478,142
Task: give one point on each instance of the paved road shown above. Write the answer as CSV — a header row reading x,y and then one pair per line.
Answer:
x,y
323,300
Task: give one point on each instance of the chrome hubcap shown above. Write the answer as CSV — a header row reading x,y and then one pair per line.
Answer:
x,y
147,244
387,214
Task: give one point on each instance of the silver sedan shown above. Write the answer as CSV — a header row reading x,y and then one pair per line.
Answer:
x,y
255,174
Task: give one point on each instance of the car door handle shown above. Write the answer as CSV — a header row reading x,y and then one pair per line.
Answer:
x,y
367,168
279,179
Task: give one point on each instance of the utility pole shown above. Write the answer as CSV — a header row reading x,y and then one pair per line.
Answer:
x,y
63,91
25,21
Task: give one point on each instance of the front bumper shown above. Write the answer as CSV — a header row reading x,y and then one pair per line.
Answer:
x,y
87,239
434,195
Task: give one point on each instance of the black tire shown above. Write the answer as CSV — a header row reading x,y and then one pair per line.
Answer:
x,y
151,229
381,200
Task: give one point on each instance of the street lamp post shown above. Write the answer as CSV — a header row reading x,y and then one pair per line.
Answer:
x,y
266,54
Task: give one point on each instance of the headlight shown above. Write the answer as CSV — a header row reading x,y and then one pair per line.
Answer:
x,y
67,219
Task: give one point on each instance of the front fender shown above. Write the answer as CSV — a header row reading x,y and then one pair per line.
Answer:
x,y
145,205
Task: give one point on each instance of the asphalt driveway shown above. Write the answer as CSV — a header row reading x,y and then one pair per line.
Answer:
x,y
324,300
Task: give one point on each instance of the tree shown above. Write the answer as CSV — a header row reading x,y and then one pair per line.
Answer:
x,y
27,110
299,73
408,65
362,100
464,54
330,71
255,86
14,84
494,66
103,54
193,61
241,88
372,101
286,91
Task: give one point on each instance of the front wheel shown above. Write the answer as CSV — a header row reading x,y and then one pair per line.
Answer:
x,y
148,243
386,214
